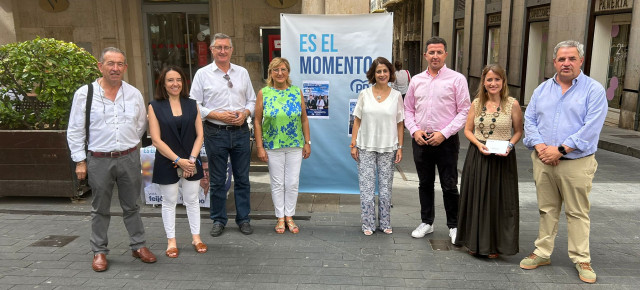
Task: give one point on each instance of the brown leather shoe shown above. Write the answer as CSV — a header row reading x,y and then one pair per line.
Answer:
x,y
145,255
100,263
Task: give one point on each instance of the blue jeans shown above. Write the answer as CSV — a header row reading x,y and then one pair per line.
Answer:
x,y
221,144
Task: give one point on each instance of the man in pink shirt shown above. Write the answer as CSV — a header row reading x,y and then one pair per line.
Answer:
x,y
436,107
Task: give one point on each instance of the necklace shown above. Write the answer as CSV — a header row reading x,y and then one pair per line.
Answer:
x,y
381,91
492,126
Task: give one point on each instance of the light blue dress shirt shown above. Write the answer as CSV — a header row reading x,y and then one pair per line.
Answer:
x,y
574,119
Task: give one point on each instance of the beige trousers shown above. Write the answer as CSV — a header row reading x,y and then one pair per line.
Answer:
x,y
569,182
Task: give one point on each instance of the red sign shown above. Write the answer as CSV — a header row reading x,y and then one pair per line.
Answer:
x,y
202,53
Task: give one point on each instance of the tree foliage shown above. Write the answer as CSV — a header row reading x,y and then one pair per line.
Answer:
x,y
37,82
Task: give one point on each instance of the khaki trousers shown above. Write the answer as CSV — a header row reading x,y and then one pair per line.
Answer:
x,y
569,182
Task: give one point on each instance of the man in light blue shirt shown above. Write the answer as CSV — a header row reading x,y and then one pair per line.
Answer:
x,y
562,124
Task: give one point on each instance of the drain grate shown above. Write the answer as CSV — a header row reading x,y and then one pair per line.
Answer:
x,y
54,241
440,245
626,136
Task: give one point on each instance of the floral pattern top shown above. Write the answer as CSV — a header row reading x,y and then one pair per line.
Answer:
x,y
281,118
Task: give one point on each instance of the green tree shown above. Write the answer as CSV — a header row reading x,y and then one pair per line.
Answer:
x,y
45,73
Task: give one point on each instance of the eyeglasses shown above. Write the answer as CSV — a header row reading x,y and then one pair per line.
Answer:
x,y
113,118
116,64
223,48
229,83
279,70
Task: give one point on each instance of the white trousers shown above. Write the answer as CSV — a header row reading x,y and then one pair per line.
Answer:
x,y
190,190
284,170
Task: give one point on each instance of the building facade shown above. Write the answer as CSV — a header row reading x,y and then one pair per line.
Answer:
x,y
157,33
520,35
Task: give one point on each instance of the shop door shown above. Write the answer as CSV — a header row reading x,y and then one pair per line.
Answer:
x,y
176,39
609,58
617,63
536,58
414,57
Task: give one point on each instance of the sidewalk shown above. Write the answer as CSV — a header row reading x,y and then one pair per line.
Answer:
x,y
626,142
330,252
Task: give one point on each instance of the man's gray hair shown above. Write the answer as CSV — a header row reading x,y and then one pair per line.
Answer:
x,y
220,36
569,43
112,49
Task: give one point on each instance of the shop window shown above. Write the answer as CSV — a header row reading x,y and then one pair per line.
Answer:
x,y
178,39
493,45
459,50
617,63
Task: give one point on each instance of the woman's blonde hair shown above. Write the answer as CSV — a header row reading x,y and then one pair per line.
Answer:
x,y
276,62
482,91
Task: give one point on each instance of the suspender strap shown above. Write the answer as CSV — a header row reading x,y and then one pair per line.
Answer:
x,y
88,115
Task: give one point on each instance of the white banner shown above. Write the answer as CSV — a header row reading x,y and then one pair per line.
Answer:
x,y
329,57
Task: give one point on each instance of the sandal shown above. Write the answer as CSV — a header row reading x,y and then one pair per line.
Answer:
x,y
293,228
280,226
172,252
368,232
200,247
388,231
492,256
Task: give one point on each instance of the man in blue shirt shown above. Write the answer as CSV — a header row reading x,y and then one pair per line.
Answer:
x,y
563,123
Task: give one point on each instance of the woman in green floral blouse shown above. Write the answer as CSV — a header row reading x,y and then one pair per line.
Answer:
x,y
282,138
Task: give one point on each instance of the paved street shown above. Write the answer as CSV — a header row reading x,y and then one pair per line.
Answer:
x,y
330,252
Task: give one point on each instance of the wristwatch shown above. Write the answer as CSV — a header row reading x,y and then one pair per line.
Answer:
x,y
562,150
308,142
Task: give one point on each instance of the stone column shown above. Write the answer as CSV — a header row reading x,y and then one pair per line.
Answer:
x,y
7,24
335,6
312,6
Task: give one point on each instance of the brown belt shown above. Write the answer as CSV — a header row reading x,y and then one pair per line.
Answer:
x,y
112,154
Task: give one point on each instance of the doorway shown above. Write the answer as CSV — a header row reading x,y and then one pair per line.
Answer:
x,y
176,35
609,57
536,58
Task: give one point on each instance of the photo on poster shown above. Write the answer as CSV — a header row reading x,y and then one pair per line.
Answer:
x,y
316,97
152,190
352,118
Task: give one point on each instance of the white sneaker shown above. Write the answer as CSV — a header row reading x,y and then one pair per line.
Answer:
x,y
452,233
422,230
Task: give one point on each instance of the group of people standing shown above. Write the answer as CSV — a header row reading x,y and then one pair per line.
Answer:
x,y
561,124
108,118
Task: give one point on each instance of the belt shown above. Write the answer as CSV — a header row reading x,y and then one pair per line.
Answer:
x,y
112,154
227,127
565,158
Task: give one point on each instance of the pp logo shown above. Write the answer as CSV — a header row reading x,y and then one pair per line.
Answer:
x,y
359,85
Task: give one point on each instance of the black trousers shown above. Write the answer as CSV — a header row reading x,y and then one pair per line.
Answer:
x,y
445,158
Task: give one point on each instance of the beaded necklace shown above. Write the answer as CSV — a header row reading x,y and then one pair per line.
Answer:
x,y
492,126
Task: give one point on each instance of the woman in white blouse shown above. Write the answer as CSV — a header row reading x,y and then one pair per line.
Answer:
x,y
376,143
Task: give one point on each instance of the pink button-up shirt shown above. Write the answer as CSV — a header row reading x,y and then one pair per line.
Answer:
x,y
437,103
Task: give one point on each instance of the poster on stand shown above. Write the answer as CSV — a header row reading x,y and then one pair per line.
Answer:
x,y
352,118
151,190
329,56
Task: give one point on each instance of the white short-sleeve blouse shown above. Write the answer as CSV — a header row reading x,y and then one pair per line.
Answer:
x,y
379,121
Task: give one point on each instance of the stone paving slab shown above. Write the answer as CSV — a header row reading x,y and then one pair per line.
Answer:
x,y
330,252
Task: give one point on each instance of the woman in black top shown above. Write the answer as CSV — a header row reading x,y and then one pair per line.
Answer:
x,y
176,131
